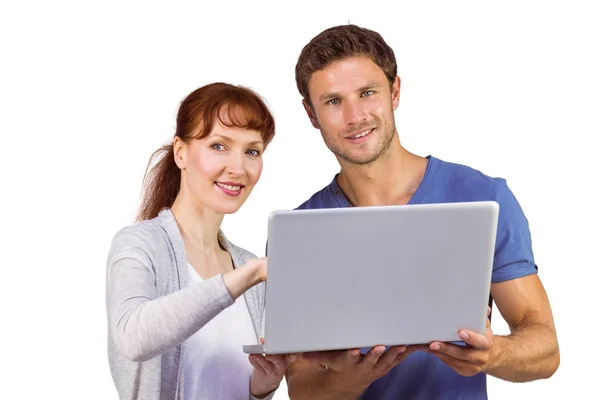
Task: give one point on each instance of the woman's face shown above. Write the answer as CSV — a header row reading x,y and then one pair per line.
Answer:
x,y
220,170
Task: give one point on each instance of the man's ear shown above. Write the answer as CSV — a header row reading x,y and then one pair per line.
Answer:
x,y
311,114
396,93
179,152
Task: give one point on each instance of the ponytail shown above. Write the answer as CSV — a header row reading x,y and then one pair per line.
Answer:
x,y
161,183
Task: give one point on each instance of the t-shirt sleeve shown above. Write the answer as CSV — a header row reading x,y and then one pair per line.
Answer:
x,y
513,256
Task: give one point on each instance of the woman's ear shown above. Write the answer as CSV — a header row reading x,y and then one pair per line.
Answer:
x,y
179,152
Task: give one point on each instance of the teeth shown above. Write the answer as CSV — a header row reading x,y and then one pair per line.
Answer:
x,y
228,187
365,133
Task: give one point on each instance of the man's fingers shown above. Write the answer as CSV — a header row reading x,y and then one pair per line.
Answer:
x,y
352,355
476,340
391,357
278,361
447,348
460,366
290,358
347,358
466,354
373,355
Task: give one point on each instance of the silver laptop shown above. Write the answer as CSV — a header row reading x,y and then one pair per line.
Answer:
x,y
357,277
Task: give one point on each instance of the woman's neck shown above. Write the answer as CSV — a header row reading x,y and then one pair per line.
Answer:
x,y
199,226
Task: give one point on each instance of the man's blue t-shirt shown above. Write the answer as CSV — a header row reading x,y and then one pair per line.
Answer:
x,y
423,376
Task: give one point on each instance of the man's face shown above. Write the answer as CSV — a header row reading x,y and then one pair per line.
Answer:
x,y
353,108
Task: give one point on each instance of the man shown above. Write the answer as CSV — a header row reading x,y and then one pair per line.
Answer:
x,y
348,79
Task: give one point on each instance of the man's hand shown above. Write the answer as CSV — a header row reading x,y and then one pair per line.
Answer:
x,y
470,359
354,371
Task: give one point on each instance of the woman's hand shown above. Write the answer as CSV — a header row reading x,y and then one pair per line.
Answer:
x,y
243,278
268,372
259,267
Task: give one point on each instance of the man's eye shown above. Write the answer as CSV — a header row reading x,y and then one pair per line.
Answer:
x,y
333,102
367,93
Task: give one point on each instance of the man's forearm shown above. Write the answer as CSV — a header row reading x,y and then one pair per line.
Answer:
x,y
317,384
530,352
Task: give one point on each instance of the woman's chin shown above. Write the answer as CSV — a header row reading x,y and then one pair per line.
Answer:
x,y
224,209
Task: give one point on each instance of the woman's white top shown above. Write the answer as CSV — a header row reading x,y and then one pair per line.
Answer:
x,y
215,366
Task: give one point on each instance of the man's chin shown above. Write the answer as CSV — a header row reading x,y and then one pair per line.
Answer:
x,y
355,159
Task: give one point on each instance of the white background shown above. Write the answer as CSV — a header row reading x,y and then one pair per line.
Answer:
x,y
89,89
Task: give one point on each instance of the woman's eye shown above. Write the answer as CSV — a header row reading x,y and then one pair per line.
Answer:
x,y
254,152
217,146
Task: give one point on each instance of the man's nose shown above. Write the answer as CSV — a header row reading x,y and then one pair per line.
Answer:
x,y
354,112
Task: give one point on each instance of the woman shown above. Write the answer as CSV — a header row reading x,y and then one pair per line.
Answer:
x,y
181,299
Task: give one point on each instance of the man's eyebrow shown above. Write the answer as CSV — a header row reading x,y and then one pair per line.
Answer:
x,y
369,86
331,95
327,96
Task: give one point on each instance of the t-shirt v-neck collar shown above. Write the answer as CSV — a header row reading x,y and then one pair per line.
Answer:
x,y
417,196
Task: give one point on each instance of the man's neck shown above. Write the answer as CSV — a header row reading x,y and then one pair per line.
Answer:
x,y
390,180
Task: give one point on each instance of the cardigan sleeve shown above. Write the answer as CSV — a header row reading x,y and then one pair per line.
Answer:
x,y
142,323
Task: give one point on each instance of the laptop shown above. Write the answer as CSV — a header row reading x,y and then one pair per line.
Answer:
x,y
357,277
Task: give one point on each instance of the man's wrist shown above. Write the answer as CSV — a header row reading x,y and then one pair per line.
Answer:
x,y
498,346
